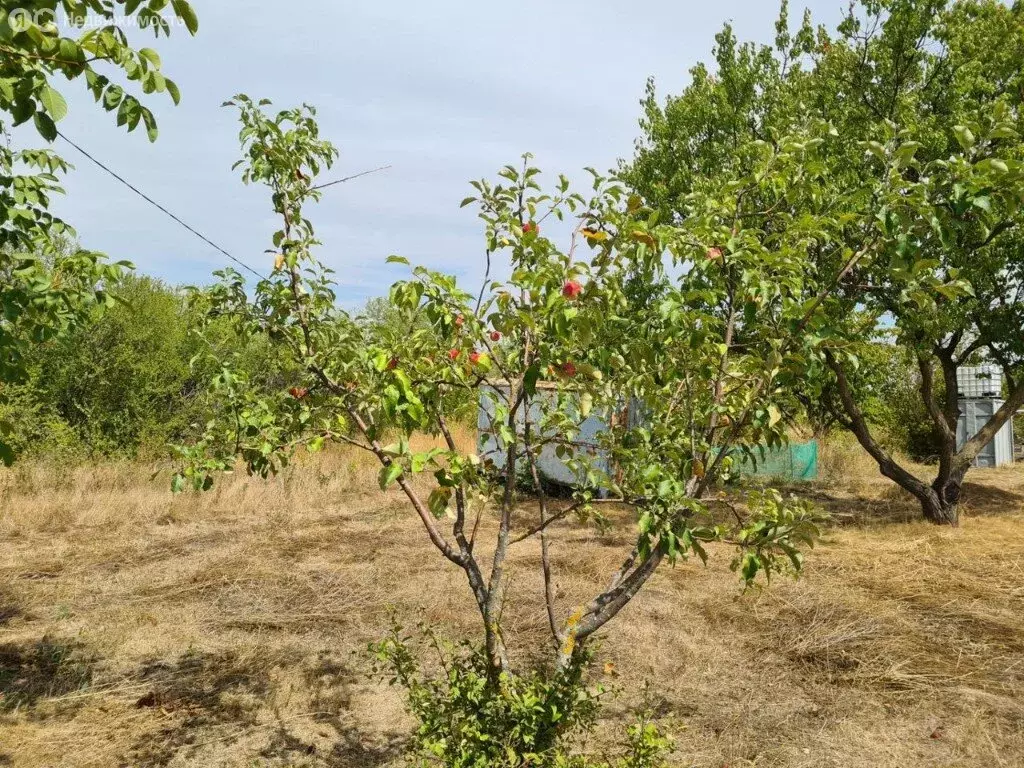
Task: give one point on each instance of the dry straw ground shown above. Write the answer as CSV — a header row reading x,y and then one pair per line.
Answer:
x,y
137,629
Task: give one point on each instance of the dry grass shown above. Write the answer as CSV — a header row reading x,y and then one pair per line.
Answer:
x,y
227,629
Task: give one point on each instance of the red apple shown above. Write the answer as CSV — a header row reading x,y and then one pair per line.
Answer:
x,y
568,368
495,337
474,357
298,392
531,227
453,354
392,363
571,290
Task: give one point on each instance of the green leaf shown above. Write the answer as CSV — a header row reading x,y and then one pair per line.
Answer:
x,y
112,97
185,12
151,56
751,565
530,379
876,149
45,126
964,136
586,404
151,129
53,103
389,474
174,91
438,501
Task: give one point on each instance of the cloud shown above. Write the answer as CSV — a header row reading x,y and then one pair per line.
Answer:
x,y
444,92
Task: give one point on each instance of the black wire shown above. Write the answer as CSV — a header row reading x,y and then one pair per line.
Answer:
x,y
349,178
154,203
194,231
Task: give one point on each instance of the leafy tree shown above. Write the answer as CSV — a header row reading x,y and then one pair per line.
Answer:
x,y
44,291
122,380
557,341
926,97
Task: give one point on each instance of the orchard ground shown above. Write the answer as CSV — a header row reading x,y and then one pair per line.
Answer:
x,y
229,629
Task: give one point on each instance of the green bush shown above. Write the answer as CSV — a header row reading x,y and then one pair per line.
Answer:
x,y
122,383
467,719
35,427
896,405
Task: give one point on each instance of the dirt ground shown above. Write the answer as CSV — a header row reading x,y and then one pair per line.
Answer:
x,y
229,629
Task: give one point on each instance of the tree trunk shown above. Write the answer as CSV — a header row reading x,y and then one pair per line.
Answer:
x,y
939,501
941,504
940,510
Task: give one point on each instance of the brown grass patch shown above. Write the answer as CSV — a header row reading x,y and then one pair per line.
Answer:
x,y
227,629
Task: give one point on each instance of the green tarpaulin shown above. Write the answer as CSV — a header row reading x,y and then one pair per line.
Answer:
x,y
795,461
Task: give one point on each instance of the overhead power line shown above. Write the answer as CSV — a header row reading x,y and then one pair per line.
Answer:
x,y
355,176
179,220
157,205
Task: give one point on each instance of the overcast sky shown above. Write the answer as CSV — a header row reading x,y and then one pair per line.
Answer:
x,y
444,92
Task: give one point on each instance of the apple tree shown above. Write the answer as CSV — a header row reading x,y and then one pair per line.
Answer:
x,y
555,342
927,100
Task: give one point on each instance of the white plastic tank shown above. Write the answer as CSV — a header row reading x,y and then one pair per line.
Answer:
x,y
980,389
550,466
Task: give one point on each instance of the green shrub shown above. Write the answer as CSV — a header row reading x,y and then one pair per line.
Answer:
x,y
466,719
34,427
122,383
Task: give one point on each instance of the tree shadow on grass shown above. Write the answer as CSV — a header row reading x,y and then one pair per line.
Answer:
x,y
10,606
352,749
46,669
356,751
218,698
8,610
330,681
204,690
894,505
985,500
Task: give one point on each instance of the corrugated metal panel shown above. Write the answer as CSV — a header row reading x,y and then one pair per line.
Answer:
x,y
974,414
799,462
1004,445
550,466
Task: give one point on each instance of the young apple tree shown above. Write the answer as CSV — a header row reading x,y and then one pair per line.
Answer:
x,y
554,343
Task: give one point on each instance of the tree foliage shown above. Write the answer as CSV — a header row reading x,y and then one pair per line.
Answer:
x,y
556,342
926,184
120,383
43,290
